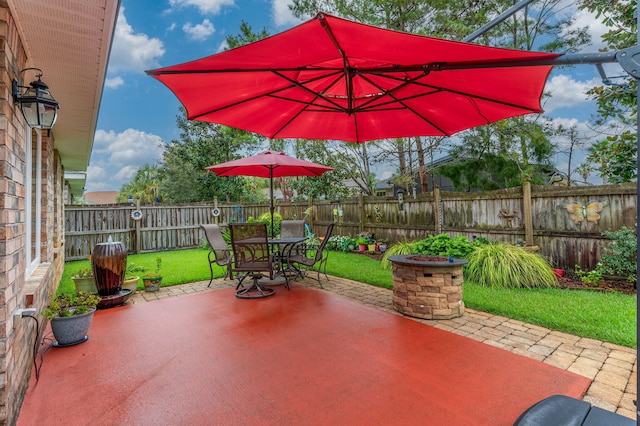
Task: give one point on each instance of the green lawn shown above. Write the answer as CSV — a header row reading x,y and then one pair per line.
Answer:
x,y
610,317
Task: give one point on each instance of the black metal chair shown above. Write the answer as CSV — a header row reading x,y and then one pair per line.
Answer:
x,y
220,253
251,256
319,259
292,228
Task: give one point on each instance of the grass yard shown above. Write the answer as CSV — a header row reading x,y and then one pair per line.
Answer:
x,y
610,317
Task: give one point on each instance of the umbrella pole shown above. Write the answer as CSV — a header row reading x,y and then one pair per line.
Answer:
x,y
272,209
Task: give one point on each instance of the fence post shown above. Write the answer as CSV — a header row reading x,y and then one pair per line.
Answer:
x,y
527,214
138,232
361,212
437,209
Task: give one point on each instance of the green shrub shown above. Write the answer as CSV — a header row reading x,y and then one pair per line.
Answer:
x,y
507,266
620,258
589,277
277,219
444,245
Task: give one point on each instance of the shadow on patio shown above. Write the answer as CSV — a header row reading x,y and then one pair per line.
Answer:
x,y
301,357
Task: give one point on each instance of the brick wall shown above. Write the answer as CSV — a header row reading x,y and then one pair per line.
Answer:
x,y
16,290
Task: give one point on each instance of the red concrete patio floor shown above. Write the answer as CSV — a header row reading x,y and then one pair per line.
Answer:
x,y
308,356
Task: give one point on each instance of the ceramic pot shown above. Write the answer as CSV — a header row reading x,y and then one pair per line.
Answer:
x,y
72,330
131,284
152,283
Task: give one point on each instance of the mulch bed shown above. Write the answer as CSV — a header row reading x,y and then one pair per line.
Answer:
x,y
574,283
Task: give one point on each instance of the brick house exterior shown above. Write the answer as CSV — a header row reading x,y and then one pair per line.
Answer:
x,y
33,188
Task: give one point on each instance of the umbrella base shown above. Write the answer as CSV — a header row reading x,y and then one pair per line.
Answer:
x,y
278,280
256,291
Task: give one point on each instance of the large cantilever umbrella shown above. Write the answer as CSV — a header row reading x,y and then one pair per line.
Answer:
x,y
269,164
330,78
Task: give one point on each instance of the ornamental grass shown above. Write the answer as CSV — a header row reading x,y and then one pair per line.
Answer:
x,y
507,266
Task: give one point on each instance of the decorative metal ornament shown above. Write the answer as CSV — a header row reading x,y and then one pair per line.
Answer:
x,y
136,215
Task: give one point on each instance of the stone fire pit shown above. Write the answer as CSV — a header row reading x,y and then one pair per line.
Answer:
x,y
428,287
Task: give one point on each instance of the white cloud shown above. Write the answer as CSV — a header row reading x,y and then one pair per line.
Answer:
x,y
223,46
595,28
172,27
126,174
116,157
198,32
567,92
133,51
96,172
282,16
204,6
113,83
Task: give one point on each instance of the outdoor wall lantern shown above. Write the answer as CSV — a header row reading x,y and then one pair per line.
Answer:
x,y
400,199
39,108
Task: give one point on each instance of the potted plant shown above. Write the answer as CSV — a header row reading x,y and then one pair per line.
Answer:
x,y
132,276
153,280
71,316
83,280
362,243
381,244
371,245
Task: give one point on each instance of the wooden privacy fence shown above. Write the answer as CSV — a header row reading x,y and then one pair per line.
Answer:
x,y
565,223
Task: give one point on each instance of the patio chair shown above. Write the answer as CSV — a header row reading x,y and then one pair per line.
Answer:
x,y
292,228
220,252
317,261
251,256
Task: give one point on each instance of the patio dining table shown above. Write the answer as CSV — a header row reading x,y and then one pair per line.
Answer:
x,y
282,246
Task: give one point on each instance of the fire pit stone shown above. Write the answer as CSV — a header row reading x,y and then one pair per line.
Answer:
x,y
428,287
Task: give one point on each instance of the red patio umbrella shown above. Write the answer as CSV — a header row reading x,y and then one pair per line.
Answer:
x,y
269,164
330,78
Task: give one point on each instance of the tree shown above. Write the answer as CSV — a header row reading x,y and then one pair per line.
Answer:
x,y
145,186
246,36
616,158
574,142
330,185
200,145
501,155
619,99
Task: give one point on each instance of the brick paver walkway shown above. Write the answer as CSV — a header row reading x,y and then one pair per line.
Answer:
x,y
612,368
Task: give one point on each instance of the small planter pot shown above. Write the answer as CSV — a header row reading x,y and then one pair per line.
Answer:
x,y
152,283
69,331
559,272
131,284
87,284
362,247
371,247
382,247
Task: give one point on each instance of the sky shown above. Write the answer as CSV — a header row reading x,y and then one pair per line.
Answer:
x,y
138,114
